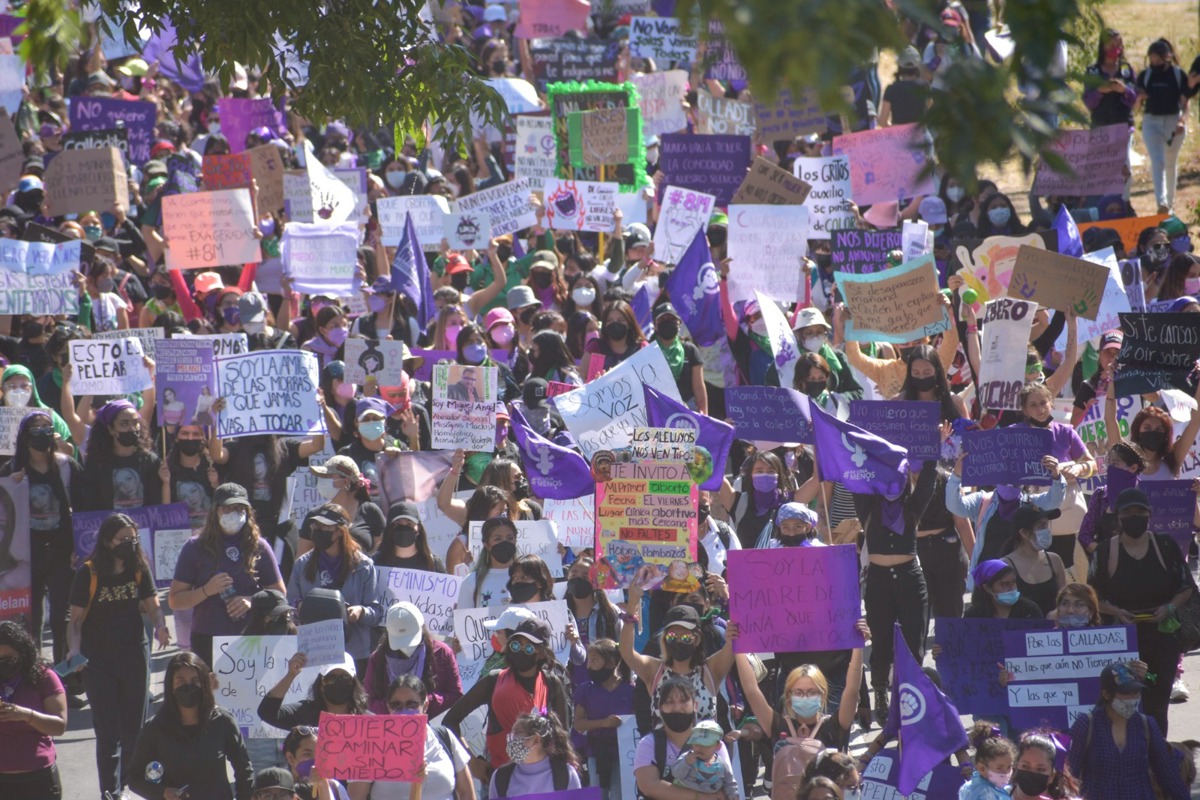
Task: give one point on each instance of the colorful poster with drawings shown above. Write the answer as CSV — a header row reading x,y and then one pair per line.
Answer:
x,y
580,205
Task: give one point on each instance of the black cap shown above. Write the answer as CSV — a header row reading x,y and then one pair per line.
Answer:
x,y
535,392
532,629
1028,515
268,603
327,514
107,243
666,308
231,494
404,510
1118,677
273,778
684,616
1132,498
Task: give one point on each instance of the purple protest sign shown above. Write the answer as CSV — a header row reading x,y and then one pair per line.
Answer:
x,y
795,599
887,164
862,252
881,778
768,413
713,165
1096,159
185,379
721,63
1172,509
970,650
103,113
240,115
913,425
587,793
174,516
1006,457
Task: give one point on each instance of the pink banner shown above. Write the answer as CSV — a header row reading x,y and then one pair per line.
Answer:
x,y
548,19
365,748
887,164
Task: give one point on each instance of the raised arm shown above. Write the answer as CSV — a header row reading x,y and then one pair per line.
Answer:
x,y
645,667
1062,376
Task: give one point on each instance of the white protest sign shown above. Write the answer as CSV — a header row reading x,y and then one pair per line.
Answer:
x,y
662,39
535,149
602,414
767,245
915,239
210,229
467,230
109,367
147,336
302,494
507,205
1006,326
683,214
435,595
315,194
476,640
246,668
322,642
270,391
321,257
574,519
534,537
382,359
226,344
167,544
519,95
580,205
39,278
784,348
627,742
660,96
829,204
427,211
10,422
464,407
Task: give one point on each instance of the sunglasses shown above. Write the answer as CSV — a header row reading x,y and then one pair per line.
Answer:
x,y
680,638
515,647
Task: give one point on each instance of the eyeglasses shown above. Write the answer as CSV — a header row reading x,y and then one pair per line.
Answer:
x,y
680,638
809,693
515,647
134,539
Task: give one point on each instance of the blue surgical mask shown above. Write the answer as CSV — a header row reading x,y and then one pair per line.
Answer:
x,y
474,353
1073,620
1008,598
806,707
1000,216
371,430
1042,538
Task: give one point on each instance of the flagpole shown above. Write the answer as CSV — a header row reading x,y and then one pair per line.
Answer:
x,y
824,499
603,176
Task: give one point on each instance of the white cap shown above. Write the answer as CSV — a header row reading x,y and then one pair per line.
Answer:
x,y
808,317
403,623
495,14
510,619
346,664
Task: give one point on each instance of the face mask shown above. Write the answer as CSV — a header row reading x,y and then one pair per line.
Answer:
x,y
371,431
32,329
305,768
1152,441
813,344
339,693
759,326
1031,783
405,535
541,279
232,523
668,329
1042,538
1008,598
326,488
999,216
1126,708
579,588
452,334
345,391
1134,527
1192,286
522,661
616,331
590,337
232,315
267,227
923,384
188,695
702,512
678,721
162,292
475,353
584,296
678,651
337,336
41,439
823,260
127,438
92,232
190,447
126,551
517,749
599,675
522,592
105,284
955,194
1073,620
814,388
395,178
765,481
17,398
460,280
376,303
8,668
322,540
806,707
999,779
503,335
504,552
214,127
521,489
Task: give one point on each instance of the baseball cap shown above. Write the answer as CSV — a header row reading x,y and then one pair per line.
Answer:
x,y
251,308
134,68
495,13
369,405
705,733
665,309
404,510
99,79
497,316
532,629
1028,514
683,616
346,665
637,235
268,603
403,623
327,514
208,282
1118,677
231,494
535,391
909,58
1112,339
521,296
456,262
1132,498
273,778
808,317
338,467
933,211
30,183
510,619
986,571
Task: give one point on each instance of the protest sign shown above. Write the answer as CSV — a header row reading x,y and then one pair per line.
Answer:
x,y
720,60
10,422
628,737
427,212
713,165
570,98
789,116
271,391
167,546
723,115
241,115
381,359
225,344
210,229
12,82
355,179
663,444
39,278
662,39
149,337
464,407
1129,228
543,18
321,257
970,651
603,414
767,184
94,140
645,525
535,154
434,595
79,181
266,165
109,367
476,640
316,194
987,266
1113,302
1006,326
881,779
911,424
104,113
573,59
1057,281
915,239
580,205
186,381
246,667
1096,161
433,358
887,164
1056,674
795,600
467,230
767,244
506,205
172,516
183,175
829,204
1006,457
227,171
603,136
683,214
387,747
768,413
322,642
12,157
534,537
574,520
895,305
16,586
862,252
660,96
1172,510
1159,352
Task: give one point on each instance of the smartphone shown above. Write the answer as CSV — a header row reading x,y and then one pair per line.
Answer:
x,y
70,666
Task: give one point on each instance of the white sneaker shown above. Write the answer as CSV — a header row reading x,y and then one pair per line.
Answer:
x,y
1179,691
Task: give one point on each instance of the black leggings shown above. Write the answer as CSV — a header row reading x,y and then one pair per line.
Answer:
x,y
117,683
945,566
895,594
50,576
1160,651
42,784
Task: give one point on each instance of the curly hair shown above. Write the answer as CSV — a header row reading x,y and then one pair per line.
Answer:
x,y
1166,450
31,667
989,743
212,537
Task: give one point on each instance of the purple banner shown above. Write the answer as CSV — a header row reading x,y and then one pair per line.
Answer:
x,y
714,165
911,424
186,381
1172,509
149,518
862,252
795,599
970,651
240,115
1006,457
103,113
768,413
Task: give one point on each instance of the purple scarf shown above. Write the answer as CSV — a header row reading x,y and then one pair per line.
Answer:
x,y
398,665
1008,500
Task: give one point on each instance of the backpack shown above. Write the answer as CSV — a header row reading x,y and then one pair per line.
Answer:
x,y
558,769
660,759
792,756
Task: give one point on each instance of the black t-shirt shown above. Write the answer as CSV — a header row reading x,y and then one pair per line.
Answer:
x,y
691,358
191,485
908,99
49,515
118,483
114,618
1165,89
249,466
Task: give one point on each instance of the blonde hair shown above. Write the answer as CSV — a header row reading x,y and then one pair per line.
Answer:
x,y
813,673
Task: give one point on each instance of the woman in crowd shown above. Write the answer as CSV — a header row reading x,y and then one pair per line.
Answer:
x,y
529,580
1112,92
541,759
1039,573
620,334
335,690
193,475
601,698
366,434
33,712
405,543
594,615
1036,773
996,595
1163,94
409,649
656,752
1153,431
764,484
487,585
121,469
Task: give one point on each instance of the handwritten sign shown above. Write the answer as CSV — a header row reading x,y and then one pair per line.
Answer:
x,y
580,205
911,424
241,115
887,164
79,181
1002,363
506,205
271,391
1172,509
603,136
1006,457
894,305
970,651
768,184
663,444
210,229
246,667
266,166
322,642
789,116
572,59
862,252
1057,281
683,214
426,210
713,165
720,60
574,520
109,367
768,413
103,113
354,747
1158,352
534,537
434,595
881,780
476,640
551,18
723,115
39,278
167,545
467,230
1096,159
464,407
382,360
662,39
829,204
321,257
535,150
10,423
660,97
767,244
86,524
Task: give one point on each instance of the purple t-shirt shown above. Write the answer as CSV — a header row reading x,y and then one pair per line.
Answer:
x,y
1067,446
534,779
197,565
23,749
598,703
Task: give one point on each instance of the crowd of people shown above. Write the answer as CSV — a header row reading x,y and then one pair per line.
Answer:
x,y
550,311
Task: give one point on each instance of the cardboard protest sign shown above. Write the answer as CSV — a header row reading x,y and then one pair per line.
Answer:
x,y
104,113
660,96
603,136
662,39
535,154
186,381
569,98
39,278
427,211
862,252
895,305
1172,510
911,424
534,537
227,172
467,230
435,595
987,266
94,140
713,165
1006,326
887,164
829,204
12,157
266,166
970,651
795,600
881,779
246,667
541,18
723,115
1056,674
789,116
476,640
1057,281
1113,302
149,519
580,205
573,59
270,391
768,413
1006,457
682,215
1096,159
506,205
464,407
109,367
1159,352
387,747
767,245
603,414
241,115
768,184
1129,228
78,181
210,229
321,257
574,520
378,359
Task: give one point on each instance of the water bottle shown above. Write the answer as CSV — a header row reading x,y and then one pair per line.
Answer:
x,y
154,772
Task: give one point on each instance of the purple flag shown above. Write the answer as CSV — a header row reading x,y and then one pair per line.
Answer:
x,y
711,434
1069,241
518,252
410,273
865,463
930,730
696,292
188,74
555,473
641,307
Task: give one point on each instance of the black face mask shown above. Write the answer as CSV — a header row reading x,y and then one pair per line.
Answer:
x,y
1031,783
126,551
678,651
8,668
1039,423
190,447
339,692
504,552
1134,527
42,439
1152,441
616,331
459,280
32,329
541,279
678,721
702,512
162,292
814,388
926,384
127,438
522,592
520,662
823,260
322,540
789,541
188,695
599,675
521,489
498,67
668,329
405,535
580,588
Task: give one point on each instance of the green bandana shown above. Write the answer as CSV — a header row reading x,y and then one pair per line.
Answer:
x,y
674,355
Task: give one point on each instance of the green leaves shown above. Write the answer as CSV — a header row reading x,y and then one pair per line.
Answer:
x,y
51,30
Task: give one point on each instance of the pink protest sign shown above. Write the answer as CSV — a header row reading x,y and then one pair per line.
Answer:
x,y
241,115
1097,160
363,748
795,599
555,388
542,19
887,164
595,366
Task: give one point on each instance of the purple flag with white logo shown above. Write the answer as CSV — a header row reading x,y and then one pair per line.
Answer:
x,y
930,730
863,462
696,292
410,273
554,472
713,435
1069,241
641,307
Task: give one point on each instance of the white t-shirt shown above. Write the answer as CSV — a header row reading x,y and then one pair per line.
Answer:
x,y
493,592
440,769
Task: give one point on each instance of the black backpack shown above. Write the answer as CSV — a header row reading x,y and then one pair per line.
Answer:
x,y
660,759
558,769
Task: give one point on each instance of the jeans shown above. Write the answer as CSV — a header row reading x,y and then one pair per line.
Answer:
x,y
118,684
43,784
1163,146
50,577
944,564
895,594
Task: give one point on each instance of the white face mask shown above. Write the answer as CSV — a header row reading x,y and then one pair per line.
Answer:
x,y
584,296
233,522
395,178
759,326
17,398
1126,708
326,488
955,194
814,344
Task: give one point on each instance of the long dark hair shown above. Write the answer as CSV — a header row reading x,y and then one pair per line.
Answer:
x,y
20,459
926,352
211,537
174,457
240,467
101,445
608,612
385,556
170,709
31,667
377,673
358,700
634,335
352,554
1062,785
102,558
1106,36
533,567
